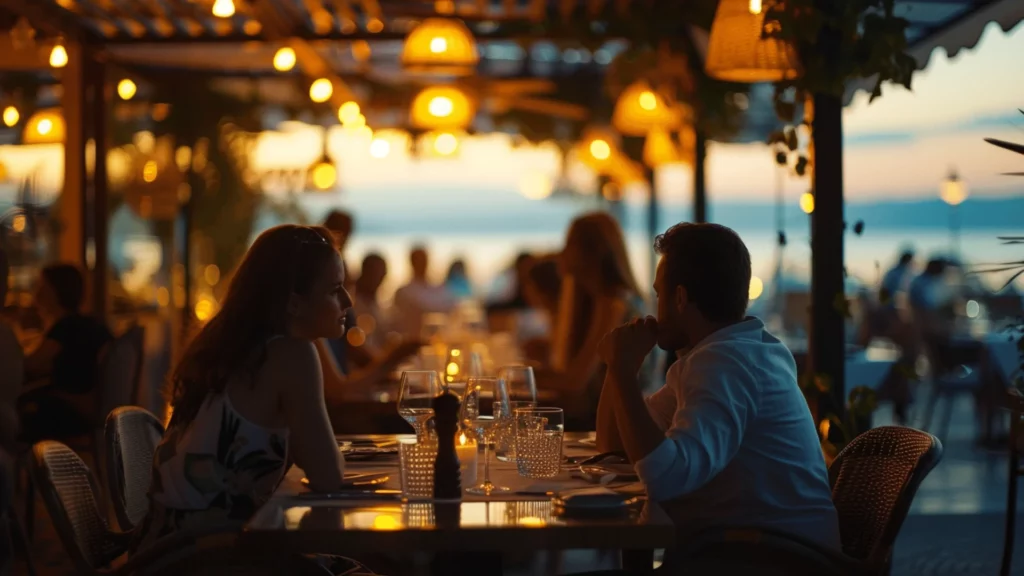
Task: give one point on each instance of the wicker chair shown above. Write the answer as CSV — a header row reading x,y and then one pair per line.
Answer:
x,y
131,435
874,480
69,492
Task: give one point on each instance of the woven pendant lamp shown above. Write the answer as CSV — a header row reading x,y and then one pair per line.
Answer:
x,y
737,52
440,46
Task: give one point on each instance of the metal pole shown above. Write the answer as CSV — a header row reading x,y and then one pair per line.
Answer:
x,y
700,195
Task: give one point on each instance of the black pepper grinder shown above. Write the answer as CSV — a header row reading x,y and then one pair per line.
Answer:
x,y
447,475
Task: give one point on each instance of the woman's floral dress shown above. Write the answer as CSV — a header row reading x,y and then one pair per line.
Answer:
x,y
217,471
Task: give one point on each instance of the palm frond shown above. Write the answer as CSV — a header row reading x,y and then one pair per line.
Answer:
x,y
1018,148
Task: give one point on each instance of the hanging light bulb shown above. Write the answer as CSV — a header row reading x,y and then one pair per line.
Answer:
x,y
442,108
59,55
323,176
348,112
223,8
321,90
446,143
126,89
11,116
284,59
440,46
600,149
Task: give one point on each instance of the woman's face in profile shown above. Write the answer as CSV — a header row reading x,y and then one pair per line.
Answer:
x,y
44,297
321,312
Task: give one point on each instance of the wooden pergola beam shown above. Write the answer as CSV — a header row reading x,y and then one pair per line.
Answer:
x,y
51,19
281,26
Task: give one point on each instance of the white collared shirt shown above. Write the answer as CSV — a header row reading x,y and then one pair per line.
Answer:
x,y
740,448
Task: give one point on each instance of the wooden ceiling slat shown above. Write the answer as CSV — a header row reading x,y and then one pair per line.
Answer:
x,y
346,16
196,18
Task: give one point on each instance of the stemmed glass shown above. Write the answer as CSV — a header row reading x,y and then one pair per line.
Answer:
x,y
522,393
416,398
461,365
479,417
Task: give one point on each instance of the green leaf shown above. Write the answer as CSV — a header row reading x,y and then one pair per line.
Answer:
x,y
1018,148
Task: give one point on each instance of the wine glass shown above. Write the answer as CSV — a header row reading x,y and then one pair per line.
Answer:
x,y
485,401
461,365
416,398
522,393
520,383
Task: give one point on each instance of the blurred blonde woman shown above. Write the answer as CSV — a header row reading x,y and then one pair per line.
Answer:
x,y
598,293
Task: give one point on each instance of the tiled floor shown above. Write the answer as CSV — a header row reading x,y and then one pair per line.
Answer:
x,y
955,525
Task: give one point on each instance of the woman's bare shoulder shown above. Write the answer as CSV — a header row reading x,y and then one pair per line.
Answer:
x,y
294,357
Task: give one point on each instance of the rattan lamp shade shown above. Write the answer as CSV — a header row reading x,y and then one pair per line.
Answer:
x,y
440,46
441,108
44,127
640,109
738,53
659,148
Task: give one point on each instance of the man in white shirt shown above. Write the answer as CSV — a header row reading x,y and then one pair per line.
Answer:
x,y
729,440
419,296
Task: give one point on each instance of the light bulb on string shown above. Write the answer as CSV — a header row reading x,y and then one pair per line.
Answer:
x,y
284,59
223,8
59,55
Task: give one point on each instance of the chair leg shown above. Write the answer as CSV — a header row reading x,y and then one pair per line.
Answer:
x,y
21,542
1011,498
30,508
929,410
943,428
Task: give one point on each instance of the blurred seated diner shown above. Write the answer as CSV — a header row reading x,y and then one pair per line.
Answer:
x,y
598,292
62,371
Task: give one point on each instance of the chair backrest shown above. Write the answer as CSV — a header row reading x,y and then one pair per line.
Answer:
x,y
874,480
69,492
120,370
131,435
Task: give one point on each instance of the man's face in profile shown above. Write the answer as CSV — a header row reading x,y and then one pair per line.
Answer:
x,y
671,336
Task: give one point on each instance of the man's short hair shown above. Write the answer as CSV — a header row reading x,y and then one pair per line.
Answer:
x,y
712,263
68,285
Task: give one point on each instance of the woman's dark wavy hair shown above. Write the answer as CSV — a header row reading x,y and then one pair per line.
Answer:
x,y
282,261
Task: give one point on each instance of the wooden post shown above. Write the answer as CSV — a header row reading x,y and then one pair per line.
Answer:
x,y
700,195
827,353
653,209
72,239
96,77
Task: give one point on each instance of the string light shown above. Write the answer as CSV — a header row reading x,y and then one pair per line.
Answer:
x,y
59,56
321,90
224,8
126,89
11,116
284,59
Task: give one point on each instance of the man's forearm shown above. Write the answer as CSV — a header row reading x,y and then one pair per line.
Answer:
x,y
639,434
608,439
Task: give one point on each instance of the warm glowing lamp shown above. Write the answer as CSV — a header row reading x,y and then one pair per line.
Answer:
x,y
321,90
223,8
349,113
441,108
126,89
640,109
807,202
380,148
738,52
659,149
11,116
58,56
446,143
440,46
44,127
323,175
953,190
536,185
284,59
598,149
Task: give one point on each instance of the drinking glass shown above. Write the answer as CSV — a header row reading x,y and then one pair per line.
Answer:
x,y
539,432
486,400
521,384
416,466
522,393
416,398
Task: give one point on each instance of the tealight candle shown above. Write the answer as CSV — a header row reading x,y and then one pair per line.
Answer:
x,y
466,449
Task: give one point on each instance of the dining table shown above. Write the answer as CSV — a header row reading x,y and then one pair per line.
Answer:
x,y
461,532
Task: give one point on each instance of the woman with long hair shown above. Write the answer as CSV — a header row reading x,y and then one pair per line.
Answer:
x,y
598,294
248,393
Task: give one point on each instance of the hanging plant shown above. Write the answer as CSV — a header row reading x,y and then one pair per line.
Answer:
x,y
838,42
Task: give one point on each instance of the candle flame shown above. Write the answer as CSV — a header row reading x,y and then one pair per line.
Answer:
x,y
462,439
